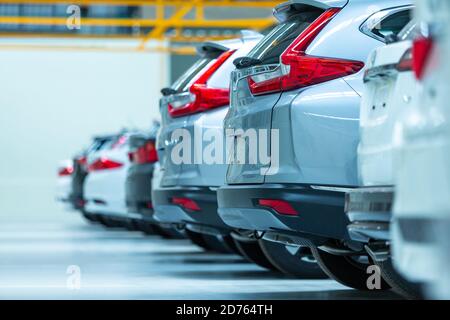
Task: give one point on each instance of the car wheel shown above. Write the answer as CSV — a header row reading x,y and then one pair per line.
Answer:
x,y
90,217
168,233
231,245
217,244
251,250
347,270
197,239
295,261
107,222
207,242
399,284
147,228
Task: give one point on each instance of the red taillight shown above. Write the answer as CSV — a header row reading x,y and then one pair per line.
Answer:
x,y
406,62
422,48
145,154
66,171
81,161
186,203
298,70
204,97
104,164
280,206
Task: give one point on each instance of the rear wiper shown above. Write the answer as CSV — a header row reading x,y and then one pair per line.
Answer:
x,y
168,91
245,62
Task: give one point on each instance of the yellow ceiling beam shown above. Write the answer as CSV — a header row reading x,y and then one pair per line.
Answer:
x,y
224,23
175,38
187,50
179,14
206,3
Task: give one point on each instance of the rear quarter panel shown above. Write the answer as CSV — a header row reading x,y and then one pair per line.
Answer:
x,y
319,135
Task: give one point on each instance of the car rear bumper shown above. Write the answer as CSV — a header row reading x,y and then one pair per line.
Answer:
x,y
138,192
205,198
369,211
320,213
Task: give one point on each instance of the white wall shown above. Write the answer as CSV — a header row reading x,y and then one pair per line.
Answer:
x,y
53,101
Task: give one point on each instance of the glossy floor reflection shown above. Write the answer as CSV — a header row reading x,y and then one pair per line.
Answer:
x,y
35,256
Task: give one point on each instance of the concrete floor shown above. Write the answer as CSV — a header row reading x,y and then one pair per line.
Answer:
x,y
35,256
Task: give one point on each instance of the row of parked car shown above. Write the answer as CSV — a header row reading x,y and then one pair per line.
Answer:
x,y
319,149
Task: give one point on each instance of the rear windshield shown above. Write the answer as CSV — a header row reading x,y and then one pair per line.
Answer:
x,y
409,32
393,24
276,42
183,82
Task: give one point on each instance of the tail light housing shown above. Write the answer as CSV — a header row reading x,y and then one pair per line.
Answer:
x,y
406,62
298,70
201,97
422,48
186,203
104,164
66,171
82,161
279,206
145,154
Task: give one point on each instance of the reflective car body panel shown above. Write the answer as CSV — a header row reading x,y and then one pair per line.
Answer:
x,y
321,114
421,215
388,93
198,173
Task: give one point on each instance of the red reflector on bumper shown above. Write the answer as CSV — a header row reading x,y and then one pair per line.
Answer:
x,y
280,206
186,203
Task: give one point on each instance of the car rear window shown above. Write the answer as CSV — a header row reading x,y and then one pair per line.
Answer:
x,y
98,144
393,24
183,82
276,42
409,32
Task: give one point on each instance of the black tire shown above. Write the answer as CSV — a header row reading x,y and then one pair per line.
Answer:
x,y
208,242
129,225
106,222
345,270
147,228
399,284
229,242
91,218
169,233
133,225
216,244
251,250
300,263
198,239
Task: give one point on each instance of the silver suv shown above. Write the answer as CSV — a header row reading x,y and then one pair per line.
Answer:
x,y
297,94
184,187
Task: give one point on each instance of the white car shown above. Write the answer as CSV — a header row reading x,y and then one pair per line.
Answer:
x,y
105,184
421,224
390,92
64,182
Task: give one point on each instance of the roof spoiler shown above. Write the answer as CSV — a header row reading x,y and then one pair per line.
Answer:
x,y
211,48
285,10
215,48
